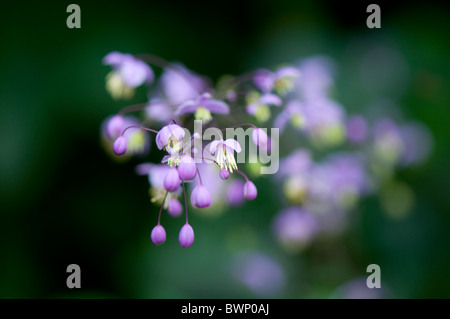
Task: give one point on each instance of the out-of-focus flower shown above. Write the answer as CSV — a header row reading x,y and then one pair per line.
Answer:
x,y
295,228
357,129
339,181
357,289
258,105
317,74
200,197
293,113
260,273
136,140
159,110
127,74
203,106
282,80
179,84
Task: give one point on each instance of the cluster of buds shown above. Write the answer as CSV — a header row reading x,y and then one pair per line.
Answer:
x,y
179,98
294,101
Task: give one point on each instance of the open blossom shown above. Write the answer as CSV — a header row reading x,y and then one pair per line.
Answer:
x,y
170,137
282,80
258,105
127,74
224,153
202,107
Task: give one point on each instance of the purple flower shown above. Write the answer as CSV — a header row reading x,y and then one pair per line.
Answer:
x,y
224,174
259,137
159,110
128,73
172,180
120,145
170,137
187,168
224,152
317,74
158,235
260,273
282,80
417,140
250,190
299,161
258,106
174,208
137,141
357,129
186,236
295,228
180,84
294,112
200,197
115,126
203,106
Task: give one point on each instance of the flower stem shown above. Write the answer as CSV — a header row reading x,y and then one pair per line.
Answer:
x,y
160,209
139,127
185,202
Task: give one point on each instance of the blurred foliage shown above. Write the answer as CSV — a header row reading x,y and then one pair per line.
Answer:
x,y
64,201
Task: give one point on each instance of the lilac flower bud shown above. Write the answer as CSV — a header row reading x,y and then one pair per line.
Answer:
x,y
250,190
259,137
200,197
187,168
224,174
186,236
174,209
158,235
115,126
172,180
120,145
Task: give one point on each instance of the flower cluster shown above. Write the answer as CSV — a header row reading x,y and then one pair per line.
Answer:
x,y
331,161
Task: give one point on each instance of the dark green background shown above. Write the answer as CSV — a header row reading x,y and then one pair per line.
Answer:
x,y
64,201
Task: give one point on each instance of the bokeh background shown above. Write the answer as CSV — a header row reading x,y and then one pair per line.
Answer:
x,y
64,201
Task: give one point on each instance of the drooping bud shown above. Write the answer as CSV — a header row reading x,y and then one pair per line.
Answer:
x,y
250,190
200,197
172,180
186,236
187,168
224,174
174,209
158,235
120,145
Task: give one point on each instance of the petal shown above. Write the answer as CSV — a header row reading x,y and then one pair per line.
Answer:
x,y
115,58
187,107
251,108
214,145
233,144
270,99
287,71
264,80
135,72
281,120
216,106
